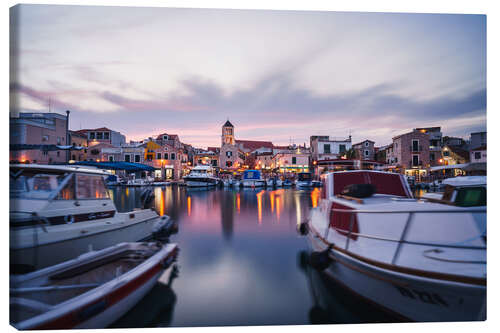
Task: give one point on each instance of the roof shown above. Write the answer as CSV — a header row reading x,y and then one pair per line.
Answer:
x,y
459,151
479,148
82,131
214,149
252,145
170,136
228,124
449,166
62,168
359,143
128,166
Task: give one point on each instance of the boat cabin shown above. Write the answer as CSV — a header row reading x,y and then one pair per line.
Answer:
x,y
252,174
304,176
62,194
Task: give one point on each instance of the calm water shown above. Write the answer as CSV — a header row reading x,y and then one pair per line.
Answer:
x,y
241,263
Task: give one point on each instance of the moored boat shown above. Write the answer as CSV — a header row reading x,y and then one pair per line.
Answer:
x,y
253,178
201,176
90,291
423,260
58,212
304,180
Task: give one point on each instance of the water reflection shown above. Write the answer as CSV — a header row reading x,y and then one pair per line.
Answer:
x,y
332,303
237,258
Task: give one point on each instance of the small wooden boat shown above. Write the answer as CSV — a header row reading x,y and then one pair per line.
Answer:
x,y
91,291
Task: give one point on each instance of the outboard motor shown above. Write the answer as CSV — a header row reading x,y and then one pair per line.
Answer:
x,y
147,197
359,190
164,227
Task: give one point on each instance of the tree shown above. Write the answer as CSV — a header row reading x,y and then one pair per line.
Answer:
x,y
350,154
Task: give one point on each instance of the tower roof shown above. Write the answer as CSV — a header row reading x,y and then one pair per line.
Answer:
x,y
228,124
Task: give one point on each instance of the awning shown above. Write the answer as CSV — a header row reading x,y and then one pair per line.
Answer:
x,y
127,166
481,166
451,166
14,147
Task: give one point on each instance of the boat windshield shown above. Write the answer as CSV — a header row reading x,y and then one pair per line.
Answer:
x,y
305,176
34,185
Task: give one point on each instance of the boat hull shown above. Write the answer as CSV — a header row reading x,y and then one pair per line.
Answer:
x,y
407,296
253,183
94,236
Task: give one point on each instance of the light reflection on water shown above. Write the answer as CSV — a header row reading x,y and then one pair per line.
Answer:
x,y
238,258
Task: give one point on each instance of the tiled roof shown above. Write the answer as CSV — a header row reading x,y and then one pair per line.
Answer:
x,y
228,124
252,145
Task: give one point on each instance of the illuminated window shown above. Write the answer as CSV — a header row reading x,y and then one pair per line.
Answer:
x,y
90,187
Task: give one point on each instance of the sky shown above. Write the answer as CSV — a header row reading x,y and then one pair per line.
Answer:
x,y
277,75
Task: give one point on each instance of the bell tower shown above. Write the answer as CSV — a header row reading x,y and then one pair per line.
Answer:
x,y
227,134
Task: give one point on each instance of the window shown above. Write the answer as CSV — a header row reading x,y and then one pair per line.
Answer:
x,y
45,153
58,140
127,158
367,152
68,192
58,153
111,158
165,156
172,156
432,157
214,163
477,155
137,158
106,135
165,137
367,144
45,138
446,153
341,148
294,160
158,156
415,160
229,163
326,149
229,153
90,187
149,157
92,135
99,136
73,157
414,145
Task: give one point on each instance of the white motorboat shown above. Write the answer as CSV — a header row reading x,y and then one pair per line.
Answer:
x,y
253,178
138,182
279,182
270,182
304,180
160,183
58,212
91,291
201,176
423,260
287,183
454,182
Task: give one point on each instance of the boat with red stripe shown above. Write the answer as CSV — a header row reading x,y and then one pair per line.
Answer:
x,y
422,259
91,291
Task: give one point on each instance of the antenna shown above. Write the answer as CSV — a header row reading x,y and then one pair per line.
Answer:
x,y
49,105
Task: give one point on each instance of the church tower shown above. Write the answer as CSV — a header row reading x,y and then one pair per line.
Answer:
x,y
227,134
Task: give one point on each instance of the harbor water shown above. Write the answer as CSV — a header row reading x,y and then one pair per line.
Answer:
x,y
241,262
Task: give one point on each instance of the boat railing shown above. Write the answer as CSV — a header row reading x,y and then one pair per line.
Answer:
x,y
402,239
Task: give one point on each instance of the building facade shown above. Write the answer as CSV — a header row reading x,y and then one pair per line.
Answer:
x,y
103,135
435,143
478,155
365,150
477,139
324,148
411,153
47,129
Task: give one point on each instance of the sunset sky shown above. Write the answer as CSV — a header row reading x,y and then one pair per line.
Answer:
x,y
277,75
